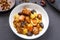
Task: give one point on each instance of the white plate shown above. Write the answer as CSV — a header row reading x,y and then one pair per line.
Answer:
x,y
39,9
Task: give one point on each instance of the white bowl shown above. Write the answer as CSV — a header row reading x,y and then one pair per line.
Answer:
x,y
39,9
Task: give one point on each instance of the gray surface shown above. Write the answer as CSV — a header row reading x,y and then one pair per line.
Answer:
x,y
53,32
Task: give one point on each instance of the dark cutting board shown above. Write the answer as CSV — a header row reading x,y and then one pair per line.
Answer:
x,y
55,5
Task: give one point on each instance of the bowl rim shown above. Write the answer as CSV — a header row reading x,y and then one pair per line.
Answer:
x,y
42,9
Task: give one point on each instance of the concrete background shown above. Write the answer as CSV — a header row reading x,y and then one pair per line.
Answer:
x,y
53,32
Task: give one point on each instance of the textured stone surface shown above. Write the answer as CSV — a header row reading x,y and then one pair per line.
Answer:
x,y
53,32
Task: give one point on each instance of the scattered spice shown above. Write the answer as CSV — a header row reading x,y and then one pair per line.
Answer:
x,y
52,1
35,2
25,0
43,3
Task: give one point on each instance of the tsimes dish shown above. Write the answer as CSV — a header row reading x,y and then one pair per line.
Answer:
x,y
28,22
